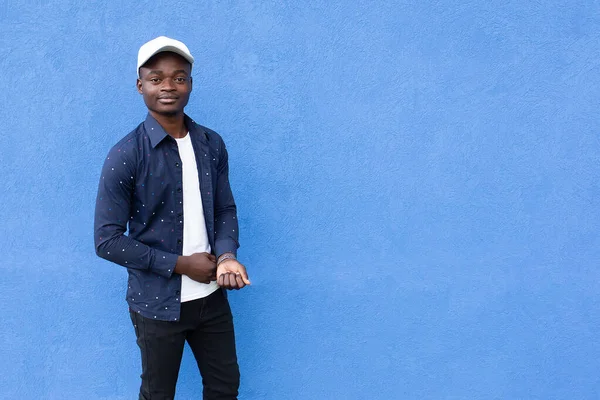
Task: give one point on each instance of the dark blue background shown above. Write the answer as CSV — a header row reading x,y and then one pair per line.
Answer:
x,y
417,186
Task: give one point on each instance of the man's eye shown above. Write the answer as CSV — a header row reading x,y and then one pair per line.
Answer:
x,y
154,80
180,80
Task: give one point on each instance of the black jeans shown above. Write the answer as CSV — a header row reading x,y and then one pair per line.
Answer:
x,y
207,325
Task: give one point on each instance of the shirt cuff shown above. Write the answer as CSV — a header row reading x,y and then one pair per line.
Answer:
x,y
164,263
223,246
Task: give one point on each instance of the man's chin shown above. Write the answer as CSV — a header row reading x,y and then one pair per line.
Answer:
x,y
167,112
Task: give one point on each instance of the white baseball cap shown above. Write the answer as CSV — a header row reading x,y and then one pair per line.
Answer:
x,y
160,44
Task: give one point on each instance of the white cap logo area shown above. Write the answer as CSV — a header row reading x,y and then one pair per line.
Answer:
x,y
160,44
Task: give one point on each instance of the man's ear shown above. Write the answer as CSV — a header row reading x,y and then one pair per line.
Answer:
x,y
191,83
138,84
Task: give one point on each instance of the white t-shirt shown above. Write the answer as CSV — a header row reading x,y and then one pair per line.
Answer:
x,y
195,238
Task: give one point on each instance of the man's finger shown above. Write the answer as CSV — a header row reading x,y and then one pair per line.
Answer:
x,y
225,281
233,282
228,280
240,281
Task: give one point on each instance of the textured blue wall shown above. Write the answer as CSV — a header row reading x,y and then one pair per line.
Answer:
x,y
417,186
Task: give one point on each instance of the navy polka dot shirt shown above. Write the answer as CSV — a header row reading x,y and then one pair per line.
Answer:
x,y
141,194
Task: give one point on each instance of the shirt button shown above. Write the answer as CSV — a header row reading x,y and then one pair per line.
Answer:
x,y
178,241
177,164
179,190
177,292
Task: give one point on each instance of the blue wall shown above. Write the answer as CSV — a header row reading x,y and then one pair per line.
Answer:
x,y
417,186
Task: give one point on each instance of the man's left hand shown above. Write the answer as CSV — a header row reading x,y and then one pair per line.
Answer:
x,y
232,275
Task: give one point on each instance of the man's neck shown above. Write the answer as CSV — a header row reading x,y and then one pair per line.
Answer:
x,y
174,124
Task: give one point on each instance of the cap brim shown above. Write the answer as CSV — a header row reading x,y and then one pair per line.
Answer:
x,y
188,57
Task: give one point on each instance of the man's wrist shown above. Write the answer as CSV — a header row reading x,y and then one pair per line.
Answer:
x,y
225,256
181,265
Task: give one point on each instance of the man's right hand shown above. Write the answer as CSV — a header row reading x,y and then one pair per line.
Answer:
x,y
201,267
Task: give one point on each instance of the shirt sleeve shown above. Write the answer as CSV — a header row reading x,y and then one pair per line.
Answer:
x,y
226,223
113,210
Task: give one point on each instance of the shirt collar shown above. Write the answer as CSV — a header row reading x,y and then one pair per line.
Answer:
x,y
156,133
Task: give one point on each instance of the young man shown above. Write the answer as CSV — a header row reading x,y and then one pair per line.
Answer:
x,y
167,181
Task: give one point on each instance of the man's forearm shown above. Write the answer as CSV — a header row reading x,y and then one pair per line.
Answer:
x,y
131,253
226,224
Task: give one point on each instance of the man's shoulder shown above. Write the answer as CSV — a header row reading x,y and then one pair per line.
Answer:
x,y
210,133
129,141
206,129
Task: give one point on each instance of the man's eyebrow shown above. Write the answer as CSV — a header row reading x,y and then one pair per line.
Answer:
x,y
159,72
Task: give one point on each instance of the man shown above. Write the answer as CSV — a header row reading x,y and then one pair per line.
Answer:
x,y
167,181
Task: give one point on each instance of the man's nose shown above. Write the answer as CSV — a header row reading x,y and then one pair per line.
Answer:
x,y
168,85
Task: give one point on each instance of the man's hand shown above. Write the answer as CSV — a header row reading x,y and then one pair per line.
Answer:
x,y
200,267
232,275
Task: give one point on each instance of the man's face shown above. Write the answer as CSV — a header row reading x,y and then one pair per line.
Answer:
x,y
165,83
